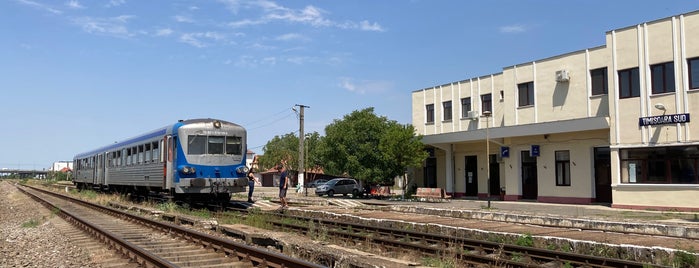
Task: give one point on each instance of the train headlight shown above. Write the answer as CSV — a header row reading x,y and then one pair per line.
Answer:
x,y
217,124
242,169
188,170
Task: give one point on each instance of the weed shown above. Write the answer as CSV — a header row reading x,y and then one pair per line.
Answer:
x,y
435,262
167,207
31,223
525,240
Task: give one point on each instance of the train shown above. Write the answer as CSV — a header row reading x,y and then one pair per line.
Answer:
x,y
190,160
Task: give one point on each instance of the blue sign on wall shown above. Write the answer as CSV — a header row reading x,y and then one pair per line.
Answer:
x,y
535,151
504,151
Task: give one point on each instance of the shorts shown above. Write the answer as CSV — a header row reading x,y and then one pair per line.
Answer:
x,y
282,192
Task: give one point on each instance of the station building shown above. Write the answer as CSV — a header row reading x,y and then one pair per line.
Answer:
x,y
608,124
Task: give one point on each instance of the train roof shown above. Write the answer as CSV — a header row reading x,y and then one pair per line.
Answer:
x,y
148,135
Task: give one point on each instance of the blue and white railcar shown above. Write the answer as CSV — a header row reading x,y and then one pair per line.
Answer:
x,y
189,160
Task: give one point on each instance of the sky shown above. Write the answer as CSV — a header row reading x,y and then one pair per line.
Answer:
x,y
76,75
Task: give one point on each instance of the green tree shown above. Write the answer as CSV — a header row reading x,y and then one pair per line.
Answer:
x,y
286,148
368,147
278,149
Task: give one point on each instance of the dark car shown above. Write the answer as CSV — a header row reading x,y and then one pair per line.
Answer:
x,y
317,182
342,186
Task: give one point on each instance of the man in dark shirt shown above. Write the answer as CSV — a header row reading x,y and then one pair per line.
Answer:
x,y
283,185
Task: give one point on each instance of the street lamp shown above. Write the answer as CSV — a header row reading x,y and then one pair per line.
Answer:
x,y
487,115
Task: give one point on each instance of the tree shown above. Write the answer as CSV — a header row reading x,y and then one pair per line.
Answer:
x,y
286,148
368,147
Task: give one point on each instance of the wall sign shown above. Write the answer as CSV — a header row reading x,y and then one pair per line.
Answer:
x,y
663,119
535,151
504,151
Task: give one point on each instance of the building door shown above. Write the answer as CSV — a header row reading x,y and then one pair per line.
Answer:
x,y
530,186
430,173
471,168
494,188
603,175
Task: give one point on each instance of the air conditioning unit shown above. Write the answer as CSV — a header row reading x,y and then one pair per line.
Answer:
x,y
562,76
473,115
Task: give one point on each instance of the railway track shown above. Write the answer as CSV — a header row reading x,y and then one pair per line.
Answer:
x,y
156,244
469,252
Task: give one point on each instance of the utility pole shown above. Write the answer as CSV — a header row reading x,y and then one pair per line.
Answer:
x,y
302,170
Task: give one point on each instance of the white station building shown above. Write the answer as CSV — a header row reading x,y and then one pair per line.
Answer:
x,y
608,124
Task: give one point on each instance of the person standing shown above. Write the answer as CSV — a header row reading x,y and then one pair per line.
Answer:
x,y
283,185
251,182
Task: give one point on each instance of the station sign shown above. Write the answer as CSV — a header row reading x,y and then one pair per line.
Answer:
x,y
663,119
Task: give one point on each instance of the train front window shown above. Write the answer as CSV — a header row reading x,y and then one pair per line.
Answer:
x,y
234,145
196,144
216,145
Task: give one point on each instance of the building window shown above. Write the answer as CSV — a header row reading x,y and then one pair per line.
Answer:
x,y
629,86
660,165
599,81
562,168
465,107
447,110
502,95
526,94
693,73
430,113
662,77
486,103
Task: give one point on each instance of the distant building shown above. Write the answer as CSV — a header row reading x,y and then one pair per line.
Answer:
x,y
608,124
62,166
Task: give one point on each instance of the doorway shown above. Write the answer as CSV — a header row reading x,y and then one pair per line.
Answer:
x,y
494,187
530,188
603,175
430,173
471,175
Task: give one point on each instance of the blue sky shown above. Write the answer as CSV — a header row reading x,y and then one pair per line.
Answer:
x,y
80,74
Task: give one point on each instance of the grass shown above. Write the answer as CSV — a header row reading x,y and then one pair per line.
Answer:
x,y
32,223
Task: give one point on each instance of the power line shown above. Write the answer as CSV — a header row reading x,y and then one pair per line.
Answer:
x,y
251,125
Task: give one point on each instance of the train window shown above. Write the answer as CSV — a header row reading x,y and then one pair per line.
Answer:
x,y
196,144
128,157
216,145
148,153
118,160
140,154
234,145
155,151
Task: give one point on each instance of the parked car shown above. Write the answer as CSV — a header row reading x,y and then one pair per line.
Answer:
x,y
316,183
342,186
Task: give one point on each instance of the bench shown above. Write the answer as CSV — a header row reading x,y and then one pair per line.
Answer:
x,y
432,194
380,191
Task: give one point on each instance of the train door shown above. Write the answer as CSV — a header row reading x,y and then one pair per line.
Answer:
x,y
100,169
471,168
167,157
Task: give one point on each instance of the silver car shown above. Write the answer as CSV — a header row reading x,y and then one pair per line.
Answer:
x,y
342,186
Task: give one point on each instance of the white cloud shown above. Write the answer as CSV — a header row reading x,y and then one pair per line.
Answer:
x,y
74,4
290,37
309,15
181,18
367,26
114,26
516,28
164,32
116,3
40,6
364,87
195,39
